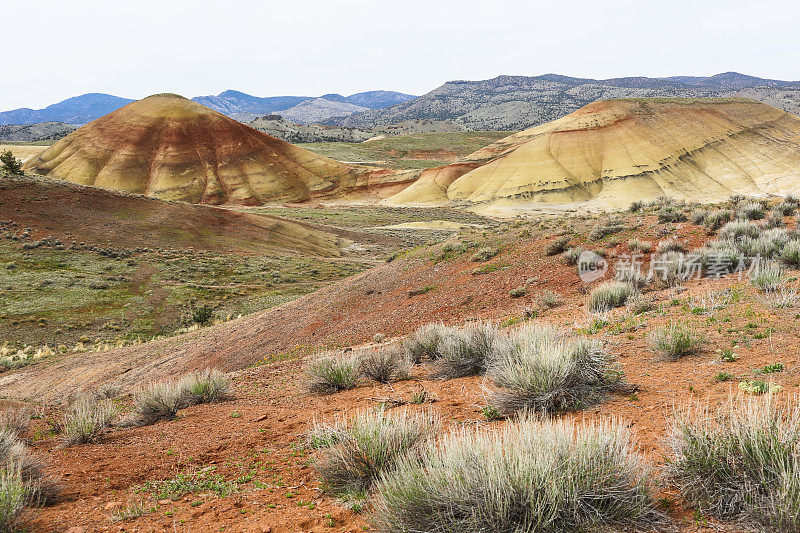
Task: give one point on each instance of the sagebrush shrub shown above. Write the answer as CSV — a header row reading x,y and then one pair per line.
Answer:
x,y
545,370
530,475
740,461
158,401
384,365
640,246
484,254
331,373
791,253
557,246
716,219
15,456
675,340
767,276
15,496
206,386
751,211
86,420
609,295
353,452
466,351
425,342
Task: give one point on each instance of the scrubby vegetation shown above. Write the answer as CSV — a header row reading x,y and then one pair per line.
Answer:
x,y
352,453
330,373
543,369
528,476
740,462
675,340
384,365
87,419
163,399
609,295
466,351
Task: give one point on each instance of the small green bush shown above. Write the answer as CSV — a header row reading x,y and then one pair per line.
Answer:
x,y
207,386
330,373
740,461
550,299
529,475
384,365
609,295
545,370
675,340
671,213
87,420
15,497
638,303
353,453
604,229
484,254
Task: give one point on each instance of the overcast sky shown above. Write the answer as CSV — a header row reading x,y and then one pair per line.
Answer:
x,y
310,47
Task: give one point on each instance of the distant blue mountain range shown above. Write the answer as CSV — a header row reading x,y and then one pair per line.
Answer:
x,y
88,107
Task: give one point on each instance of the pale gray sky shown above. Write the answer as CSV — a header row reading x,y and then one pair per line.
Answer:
x,y
310,47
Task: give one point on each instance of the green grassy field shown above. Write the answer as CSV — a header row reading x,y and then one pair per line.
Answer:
x,y
56,297
419,150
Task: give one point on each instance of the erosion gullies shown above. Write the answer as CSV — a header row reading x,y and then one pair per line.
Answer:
x,y
171,148
613,152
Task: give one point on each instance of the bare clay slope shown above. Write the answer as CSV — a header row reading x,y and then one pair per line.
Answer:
x,y
75,213
172,148
616,151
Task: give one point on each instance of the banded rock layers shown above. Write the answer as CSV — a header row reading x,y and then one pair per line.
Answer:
x,y
613,152
174,149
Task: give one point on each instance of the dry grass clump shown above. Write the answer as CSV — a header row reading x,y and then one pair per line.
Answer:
x,y
425,342
384,365
638,303
352,453
736,230
466,351
207,386
557,246
767,276
545,370
751,211
484,254
675,340
550,299
791,253
163,399
741,461
86,420
531,475
716,219
698,216
157,401
640,246
609,295
17,421
669,245
330,373
572,255
23,481
609,227
786,208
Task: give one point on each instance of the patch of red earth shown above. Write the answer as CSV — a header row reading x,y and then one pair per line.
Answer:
x,y
261,433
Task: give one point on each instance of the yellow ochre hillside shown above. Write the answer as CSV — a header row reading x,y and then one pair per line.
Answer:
x,y
171,148
613,152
